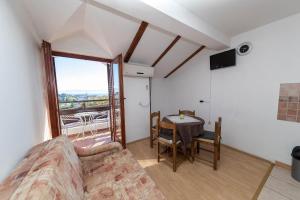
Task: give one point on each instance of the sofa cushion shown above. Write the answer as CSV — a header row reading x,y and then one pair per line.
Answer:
x,y
118,176
95,148
57,174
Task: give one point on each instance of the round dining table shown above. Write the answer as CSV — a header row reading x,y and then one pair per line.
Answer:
x,y
187,128
87,119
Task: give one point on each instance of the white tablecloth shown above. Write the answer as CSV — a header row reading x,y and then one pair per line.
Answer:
x,y
186,119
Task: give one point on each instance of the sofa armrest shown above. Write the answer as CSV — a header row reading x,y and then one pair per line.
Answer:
x,y
98,149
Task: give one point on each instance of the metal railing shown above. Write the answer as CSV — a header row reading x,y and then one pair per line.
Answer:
x,y
81,125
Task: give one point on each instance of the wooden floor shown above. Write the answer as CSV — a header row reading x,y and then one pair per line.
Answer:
x,y
238,177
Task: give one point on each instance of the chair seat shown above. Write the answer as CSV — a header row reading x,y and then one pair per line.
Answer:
x,y
207,136
167,141
167,136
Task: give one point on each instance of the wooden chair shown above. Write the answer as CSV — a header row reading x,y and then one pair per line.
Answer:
x,y
167,137
187,112
210,138
154,127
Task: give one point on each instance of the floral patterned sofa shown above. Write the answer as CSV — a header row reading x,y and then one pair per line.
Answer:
x,y
53,170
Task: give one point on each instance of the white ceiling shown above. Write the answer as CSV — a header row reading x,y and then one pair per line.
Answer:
x,y
236,16
155,42
181,50
171,16
91,29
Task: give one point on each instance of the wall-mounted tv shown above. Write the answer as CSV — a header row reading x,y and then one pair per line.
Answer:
x,y
224,59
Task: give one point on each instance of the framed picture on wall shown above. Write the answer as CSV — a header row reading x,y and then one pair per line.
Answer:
x,y
289,102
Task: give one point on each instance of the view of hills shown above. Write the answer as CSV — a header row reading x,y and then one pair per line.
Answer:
x,y
76,99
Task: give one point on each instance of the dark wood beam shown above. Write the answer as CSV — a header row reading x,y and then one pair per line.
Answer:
x,y
185,61
166,50
135,41
79,56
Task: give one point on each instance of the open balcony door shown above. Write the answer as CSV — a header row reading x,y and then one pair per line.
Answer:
x,y
116,96
51,90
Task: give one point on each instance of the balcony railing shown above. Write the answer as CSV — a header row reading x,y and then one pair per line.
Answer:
x,y
81,116
71,107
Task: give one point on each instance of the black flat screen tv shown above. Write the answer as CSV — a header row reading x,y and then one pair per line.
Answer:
x,y
224,59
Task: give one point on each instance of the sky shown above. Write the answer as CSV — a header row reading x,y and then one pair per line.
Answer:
x,y
81,76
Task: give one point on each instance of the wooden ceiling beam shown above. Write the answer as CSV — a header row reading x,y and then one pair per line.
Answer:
x,y
166,50
135,41
185,61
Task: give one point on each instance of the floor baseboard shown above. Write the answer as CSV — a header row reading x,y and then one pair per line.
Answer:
x,y
135,141
283,165
249,154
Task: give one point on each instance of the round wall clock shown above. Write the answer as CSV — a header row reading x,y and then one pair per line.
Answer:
x,y
244,48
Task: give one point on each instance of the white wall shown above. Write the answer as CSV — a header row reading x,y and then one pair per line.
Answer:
x,y
137,121
160,96
23,112
246,96
184,89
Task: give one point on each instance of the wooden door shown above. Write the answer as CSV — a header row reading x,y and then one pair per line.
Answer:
x,y
116,91
51,89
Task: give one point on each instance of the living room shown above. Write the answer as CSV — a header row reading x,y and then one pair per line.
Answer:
x,y
195,99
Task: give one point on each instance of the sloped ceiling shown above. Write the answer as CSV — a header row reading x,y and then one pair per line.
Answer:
x,y
153,42
105,28
50,16
80,42
80,27
237,16
174,57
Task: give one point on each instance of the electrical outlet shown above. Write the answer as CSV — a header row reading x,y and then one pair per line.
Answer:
x,y
209,122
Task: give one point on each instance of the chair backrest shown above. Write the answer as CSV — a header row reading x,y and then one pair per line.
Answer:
x,y
152,117
67,119
218,125
169,126
187,112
